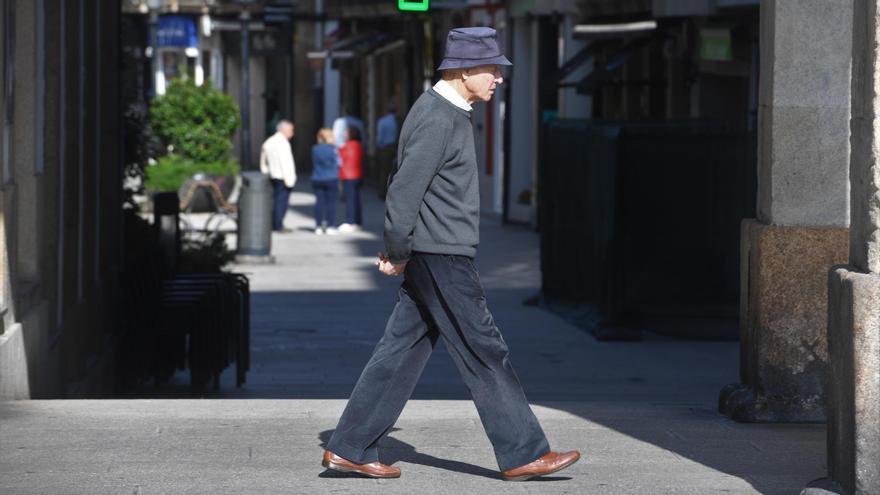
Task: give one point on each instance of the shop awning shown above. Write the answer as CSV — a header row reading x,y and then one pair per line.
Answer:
x,y
354,46
580,58
604,71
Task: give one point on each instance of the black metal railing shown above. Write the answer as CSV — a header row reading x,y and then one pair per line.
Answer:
x,y
173,321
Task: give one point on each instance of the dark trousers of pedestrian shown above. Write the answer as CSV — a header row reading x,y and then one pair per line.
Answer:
x,y
441,298
280,201
352,189
326,192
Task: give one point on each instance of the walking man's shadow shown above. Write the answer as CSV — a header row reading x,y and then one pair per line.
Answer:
x,y
393,451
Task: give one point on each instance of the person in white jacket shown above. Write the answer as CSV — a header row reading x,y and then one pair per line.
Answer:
x,y
276,160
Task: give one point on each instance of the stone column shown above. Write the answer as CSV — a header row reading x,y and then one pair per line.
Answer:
x,y
803,211
854,290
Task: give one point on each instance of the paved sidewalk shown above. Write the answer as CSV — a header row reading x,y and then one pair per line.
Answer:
x,y
643,413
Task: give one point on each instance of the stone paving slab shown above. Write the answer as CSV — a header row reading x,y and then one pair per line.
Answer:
x,y
275,445
643,413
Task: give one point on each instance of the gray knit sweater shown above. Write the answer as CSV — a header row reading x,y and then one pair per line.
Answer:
x,y
433,200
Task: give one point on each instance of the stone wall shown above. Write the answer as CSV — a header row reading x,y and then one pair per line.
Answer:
x,y
62,202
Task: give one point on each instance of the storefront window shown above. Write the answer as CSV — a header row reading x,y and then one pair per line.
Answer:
x,y
178,49
176,65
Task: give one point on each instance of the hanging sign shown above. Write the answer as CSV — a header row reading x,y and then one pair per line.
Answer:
x,y
177,31
413,5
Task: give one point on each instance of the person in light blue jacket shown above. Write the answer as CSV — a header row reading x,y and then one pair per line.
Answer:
x,y
325,182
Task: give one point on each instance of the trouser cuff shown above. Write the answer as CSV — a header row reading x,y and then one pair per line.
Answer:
x,y
355,455
522,456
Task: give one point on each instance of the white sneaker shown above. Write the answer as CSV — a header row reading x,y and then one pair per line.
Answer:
x,y
319,231
347,227
332,231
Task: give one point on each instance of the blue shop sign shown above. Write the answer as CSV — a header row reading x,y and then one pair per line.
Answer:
x,y
177,31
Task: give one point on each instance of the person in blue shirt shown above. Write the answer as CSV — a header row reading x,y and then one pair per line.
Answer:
x,y
341,125
325,182
386,129
386,145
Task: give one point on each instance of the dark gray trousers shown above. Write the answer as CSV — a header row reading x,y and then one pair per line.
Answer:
x,y
441,296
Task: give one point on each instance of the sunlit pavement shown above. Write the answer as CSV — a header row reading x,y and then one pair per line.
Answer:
x,y
642,413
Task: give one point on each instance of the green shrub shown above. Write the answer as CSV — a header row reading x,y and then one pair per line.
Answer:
x,y
197,121
172,170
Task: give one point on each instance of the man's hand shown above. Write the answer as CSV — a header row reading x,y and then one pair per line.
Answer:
x,y
388,268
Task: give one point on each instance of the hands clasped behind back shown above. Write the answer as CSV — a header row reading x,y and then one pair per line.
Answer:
x,y
388,268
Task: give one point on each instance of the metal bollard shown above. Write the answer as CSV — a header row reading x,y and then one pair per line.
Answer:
x,y
255,219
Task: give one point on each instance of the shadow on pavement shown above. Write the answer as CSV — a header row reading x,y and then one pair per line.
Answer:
x,y
394,451
631,403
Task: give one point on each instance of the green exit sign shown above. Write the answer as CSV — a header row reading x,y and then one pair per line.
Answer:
x,y
413,5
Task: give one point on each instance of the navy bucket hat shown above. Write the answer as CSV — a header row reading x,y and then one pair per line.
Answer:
x,y
472,47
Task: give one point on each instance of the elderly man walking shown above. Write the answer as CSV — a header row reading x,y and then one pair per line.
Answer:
x,y
431,236
276,160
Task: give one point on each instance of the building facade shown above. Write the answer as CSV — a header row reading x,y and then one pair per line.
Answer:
x,y
61,197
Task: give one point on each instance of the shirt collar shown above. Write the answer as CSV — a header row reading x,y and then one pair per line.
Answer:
x,y
446,90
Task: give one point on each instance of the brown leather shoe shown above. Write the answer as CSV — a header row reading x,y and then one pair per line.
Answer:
x,y
546,464
371,470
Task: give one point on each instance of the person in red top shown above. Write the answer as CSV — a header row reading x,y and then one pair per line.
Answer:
x,y
351,174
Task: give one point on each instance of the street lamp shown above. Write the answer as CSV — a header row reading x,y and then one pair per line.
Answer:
x,y
255,205
153,7
245,18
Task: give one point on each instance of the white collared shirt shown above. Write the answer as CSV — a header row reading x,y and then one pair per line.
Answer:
x,y
447,91
276,159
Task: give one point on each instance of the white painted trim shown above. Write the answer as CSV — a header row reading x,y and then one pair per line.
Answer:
x,y
623,27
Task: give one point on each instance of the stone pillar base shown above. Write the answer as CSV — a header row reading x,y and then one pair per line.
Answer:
x,y
854,380
783,321
741,403
823,486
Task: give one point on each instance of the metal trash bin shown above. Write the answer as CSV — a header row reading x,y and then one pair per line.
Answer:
x,y
255,219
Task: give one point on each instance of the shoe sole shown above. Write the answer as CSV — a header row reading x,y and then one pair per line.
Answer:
x,y
345,469
525,477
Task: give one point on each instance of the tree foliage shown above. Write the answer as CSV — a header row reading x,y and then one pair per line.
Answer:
x,y
197,122
173,170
